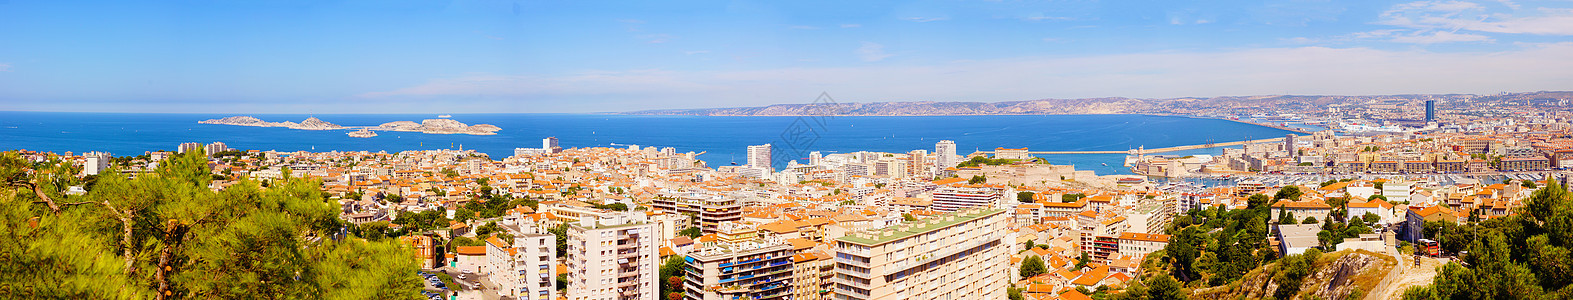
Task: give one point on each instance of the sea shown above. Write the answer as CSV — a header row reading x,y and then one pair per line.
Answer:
x,y
723,140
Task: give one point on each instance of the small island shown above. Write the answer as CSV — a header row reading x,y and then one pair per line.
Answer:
x,y
433,126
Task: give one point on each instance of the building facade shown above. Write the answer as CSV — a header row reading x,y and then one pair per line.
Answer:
x,y
612,257
749,270
956,198
959,255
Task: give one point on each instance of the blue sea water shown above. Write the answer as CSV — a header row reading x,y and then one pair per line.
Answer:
x,y
723,139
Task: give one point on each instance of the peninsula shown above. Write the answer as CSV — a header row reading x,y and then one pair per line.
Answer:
x,y
432,126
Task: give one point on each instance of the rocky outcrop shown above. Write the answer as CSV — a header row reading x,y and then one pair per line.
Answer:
x,y
437,126
312,123
1335,279
237,120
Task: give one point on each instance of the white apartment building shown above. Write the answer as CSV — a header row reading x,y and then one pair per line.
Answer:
x,y
613,257
95,163
523,269
959,255
759,156
945,154
956,198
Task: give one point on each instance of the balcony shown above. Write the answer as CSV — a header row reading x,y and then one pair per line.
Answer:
x,y
850,282
852,262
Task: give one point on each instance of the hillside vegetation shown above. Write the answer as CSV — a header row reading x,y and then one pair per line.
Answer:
x,y
1528,255
166,235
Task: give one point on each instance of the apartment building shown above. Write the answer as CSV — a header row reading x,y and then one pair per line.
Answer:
x,y
760,270
958,255
711,210
612,257
523,269
956,198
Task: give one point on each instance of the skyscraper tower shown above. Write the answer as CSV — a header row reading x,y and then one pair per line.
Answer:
x,y
759,156
1289,144
1430,111
945,154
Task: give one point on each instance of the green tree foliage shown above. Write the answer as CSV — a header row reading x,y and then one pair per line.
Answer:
x,y
613,206
672,268
1025,196
1032,266
1013,293
1309,220
909,218
1069,198
1218,245
1288,193
980,161
167,235
1522,256
691,232
1163,287
1291,271
422,221
561,233
977,179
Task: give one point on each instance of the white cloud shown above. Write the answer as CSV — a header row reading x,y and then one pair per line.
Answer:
x,y
1470,16
1040,17
871,51
851,25
1435,37
1509,4
5,67
1301,70
926,19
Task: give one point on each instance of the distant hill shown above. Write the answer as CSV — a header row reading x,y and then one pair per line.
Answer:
x,y
1111,105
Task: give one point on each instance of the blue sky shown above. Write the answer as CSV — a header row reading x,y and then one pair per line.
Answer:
x,y
592,56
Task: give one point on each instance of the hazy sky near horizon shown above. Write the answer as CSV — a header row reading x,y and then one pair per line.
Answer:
x,y
594,56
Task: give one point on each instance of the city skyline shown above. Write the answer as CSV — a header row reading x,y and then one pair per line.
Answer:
x,y
457,57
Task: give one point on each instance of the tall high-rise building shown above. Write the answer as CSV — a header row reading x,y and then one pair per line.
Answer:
x,y
612,257
550,145
188,147
1430,111
945,154
216,147
1289,144
960,255
814,158
759,156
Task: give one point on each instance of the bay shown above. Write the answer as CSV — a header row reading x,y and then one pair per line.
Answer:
x,y
723,139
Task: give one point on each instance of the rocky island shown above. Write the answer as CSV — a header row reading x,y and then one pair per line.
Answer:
x,y
311,123
433,126
439,126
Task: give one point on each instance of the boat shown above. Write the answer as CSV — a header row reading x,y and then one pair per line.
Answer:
x,y
444,116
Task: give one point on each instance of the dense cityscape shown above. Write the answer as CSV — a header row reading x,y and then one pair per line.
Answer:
x,y
787,150
1380,208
